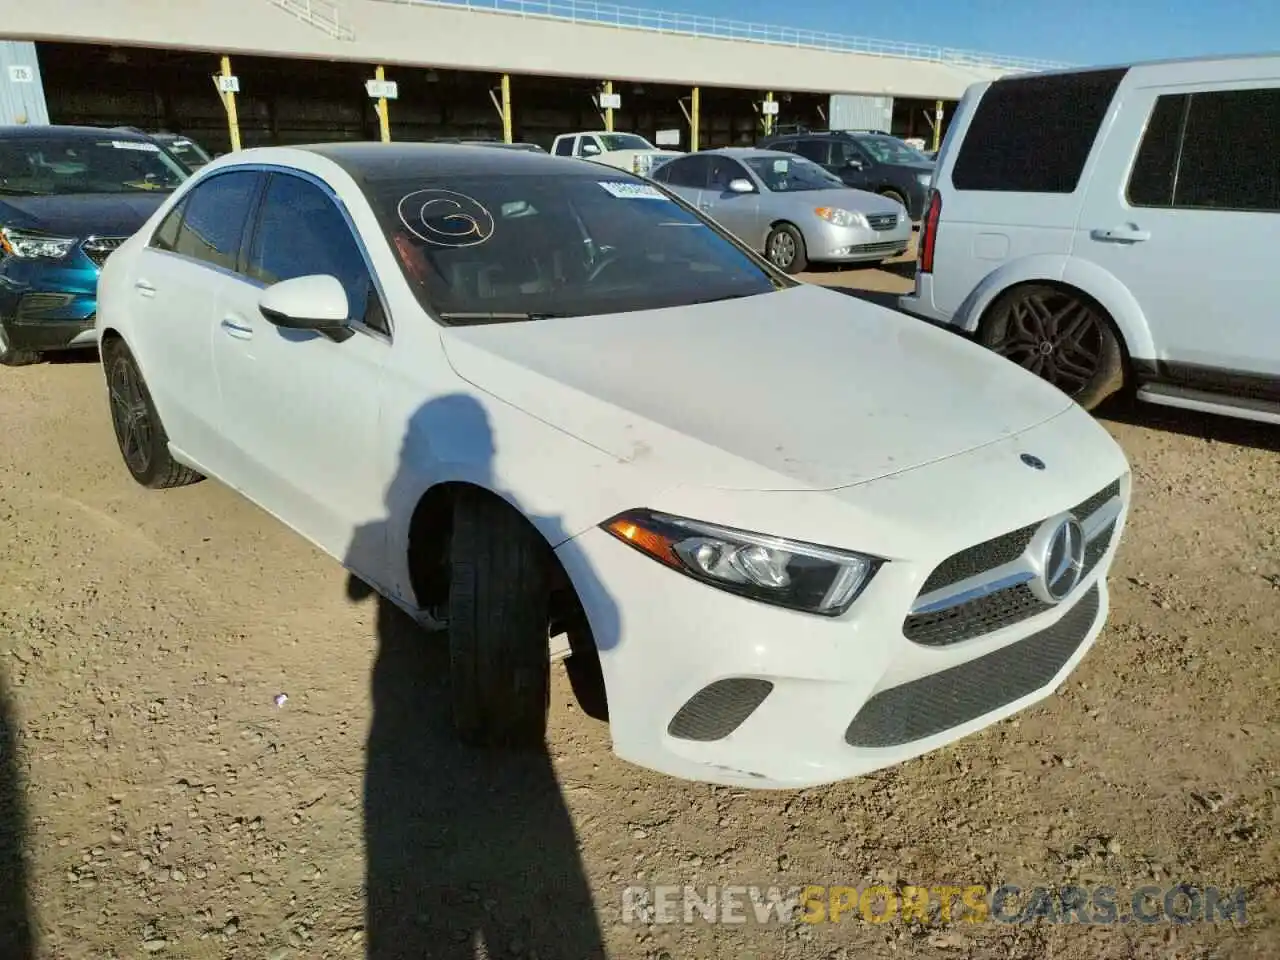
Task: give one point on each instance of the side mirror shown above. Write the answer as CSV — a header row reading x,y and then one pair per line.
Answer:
x,y
590,150
317,303
741,185
853,163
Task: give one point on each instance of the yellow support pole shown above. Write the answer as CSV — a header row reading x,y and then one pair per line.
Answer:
x,y
693,120
384,121
608,113
506,107
937,124
229,101
768,117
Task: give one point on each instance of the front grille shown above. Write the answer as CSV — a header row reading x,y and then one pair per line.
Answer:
x,y
98,249
889,246
718,709
1004,608
965,692
32,306
1004,548
882,221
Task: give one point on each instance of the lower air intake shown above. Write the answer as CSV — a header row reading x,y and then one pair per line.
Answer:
x,y
718,709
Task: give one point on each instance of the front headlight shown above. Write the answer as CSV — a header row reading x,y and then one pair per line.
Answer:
x,y
842,218
29,245
802,576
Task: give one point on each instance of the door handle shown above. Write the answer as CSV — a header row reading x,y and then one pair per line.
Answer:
x,y
1125,234
235,327
144,288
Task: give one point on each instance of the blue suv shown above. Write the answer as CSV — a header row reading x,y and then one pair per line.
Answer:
x,y
68,197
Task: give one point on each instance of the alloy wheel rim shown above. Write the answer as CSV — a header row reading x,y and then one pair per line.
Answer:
x,y
1056,337
782,250
129,416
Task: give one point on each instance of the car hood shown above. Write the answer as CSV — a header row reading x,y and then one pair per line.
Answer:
x,y
803,389
83,214
863,201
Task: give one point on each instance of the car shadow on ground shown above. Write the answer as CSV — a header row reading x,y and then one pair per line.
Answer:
x,y
16,935
878,297
1127,409
469,853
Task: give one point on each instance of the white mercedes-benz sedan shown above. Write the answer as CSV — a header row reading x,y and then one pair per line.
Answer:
x,y
802,536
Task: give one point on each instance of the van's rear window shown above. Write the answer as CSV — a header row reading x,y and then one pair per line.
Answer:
x,y
1033,134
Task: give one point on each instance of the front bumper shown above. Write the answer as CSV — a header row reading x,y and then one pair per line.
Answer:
x,y
832,244
49,305
708,686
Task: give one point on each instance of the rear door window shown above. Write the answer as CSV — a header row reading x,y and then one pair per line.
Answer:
x,y
819,151
1034,134
1204,151
564,147
688,171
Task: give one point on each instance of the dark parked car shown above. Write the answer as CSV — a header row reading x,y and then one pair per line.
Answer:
x,y
866,161
189,153
68,197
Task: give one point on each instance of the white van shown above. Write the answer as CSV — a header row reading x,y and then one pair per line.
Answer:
x,y
1117,227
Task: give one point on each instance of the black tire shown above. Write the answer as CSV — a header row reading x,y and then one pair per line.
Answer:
x,y
1059,335
786,250
890,194
499,614
143,443
9,357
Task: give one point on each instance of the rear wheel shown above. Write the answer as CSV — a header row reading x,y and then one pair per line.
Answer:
x,y
785,249
139,432
499,614
1061,336
891,194
10,357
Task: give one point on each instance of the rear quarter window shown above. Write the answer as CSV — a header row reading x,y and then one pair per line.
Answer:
x,y
1033,134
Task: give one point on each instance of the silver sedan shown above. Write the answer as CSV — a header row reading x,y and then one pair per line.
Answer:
x,y
789,208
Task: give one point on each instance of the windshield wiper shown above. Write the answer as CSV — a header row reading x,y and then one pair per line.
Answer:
x,y
463,319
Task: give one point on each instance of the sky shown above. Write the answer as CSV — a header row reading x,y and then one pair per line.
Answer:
x,y
1080,32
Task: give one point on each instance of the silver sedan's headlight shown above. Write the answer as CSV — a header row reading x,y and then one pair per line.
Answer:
x,y
788,573
841,217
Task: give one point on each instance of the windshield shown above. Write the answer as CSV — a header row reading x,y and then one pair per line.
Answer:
x,y
49,166
523,247
189,152
792,174
623,141
891,150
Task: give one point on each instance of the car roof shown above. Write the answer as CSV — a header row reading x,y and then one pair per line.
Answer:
x,y
743,153
374,162
1136,64
27,131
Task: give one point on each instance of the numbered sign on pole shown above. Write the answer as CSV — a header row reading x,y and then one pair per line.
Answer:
x,y
610,101
21,74
770,108
382,89
228,84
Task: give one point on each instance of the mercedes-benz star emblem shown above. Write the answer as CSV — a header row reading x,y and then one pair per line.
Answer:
x,y
1064,559
1034,462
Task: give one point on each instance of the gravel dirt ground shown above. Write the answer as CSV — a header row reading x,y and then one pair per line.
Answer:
x,y
156,800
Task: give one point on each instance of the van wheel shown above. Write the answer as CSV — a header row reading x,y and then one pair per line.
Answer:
x,y
1060,336
786,250
499,615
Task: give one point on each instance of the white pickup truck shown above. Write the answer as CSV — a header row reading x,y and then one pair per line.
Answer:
x,y
626,151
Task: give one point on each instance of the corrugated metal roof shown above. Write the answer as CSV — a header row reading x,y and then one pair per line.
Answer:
x,y
21,87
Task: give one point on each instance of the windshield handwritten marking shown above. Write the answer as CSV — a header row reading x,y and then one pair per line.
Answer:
x,y
445,218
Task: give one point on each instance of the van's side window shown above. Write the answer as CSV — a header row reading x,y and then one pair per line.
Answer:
x,y
1229,159
1151,180
1204,151
1034,134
